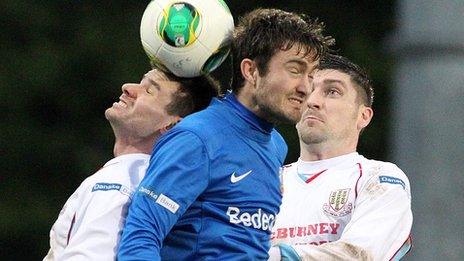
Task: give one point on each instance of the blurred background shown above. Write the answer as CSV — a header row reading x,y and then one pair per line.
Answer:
x,y
62,63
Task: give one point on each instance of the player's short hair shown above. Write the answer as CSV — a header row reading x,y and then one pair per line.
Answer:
x,y
357,74
194,94
262,32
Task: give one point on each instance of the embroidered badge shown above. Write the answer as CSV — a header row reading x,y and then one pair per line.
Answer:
x,y
392,180
112,186
167,203
337,205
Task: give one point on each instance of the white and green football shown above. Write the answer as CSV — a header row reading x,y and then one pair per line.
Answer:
x,y
187,37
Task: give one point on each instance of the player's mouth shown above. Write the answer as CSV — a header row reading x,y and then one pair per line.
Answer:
x,y
312,118
121,103
296,101
312,115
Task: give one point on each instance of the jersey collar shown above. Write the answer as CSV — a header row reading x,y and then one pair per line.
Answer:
x,y
309,170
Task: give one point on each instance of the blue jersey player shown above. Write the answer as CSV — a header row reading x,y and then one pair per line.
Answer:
x,y
211,191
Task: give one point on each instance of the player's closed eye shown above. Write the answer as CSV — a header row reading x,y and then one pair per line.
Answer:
x,y
294,70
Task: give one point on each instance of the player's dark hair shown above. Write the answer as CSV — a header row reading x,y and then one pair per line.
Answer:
x,y
262,32
357,73
194,94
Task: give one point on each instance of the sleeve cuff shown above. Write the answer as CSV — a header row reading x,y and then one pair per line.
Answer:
x,y
287,253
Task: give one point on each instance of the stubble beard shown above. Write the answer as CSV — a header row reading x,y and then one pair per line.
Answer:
x,y
113,118
114,121
311,136
271,111
122,127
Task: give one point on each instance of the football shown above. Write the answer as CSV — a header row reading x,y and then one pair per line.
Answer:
x,y
187,37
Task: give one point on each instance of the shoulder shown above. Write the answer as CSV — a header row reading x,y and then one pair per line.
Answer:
x,y
379,168
280,144
121,167
205,122
277,137
122,173
179,145
206,128
385,174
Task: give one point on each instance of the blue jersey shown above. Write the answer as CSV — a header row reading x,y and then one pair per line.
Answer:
x,y
211,191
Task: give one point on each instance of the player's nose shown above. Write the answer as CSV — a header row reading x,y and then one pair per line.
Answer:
x,y
130,89
304,86
314,100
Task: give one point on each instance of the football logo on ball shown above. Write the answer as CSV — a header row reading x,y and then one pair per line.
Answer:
x,y
187,37
178,26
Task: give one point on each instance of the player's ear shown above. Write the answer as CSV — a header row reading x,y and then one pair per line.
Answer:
x,y
365,116
175,120
249,70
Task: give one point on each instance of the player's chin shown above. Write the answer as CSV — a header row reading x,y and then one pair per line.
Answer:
x,y
294,112
113,114
109,113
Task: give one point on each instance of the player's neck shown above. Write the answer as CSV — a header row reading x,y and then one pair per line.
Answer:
x,y
131,146
314,152
244,97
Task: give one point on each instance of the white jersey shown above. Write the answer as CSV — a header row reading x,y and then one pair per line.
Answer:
x,y
348,200
89,225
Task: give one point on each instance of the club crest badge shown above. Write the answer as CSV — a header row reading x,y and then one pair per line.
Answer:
x,y
337,205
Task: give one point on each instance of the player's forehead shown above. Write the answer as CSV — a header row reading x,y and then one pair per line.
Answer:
x,y
159,78
156,75
326,76
297,54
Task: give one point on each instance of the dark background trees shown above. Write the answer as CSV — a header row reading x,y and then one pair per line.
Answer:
x,y
62,63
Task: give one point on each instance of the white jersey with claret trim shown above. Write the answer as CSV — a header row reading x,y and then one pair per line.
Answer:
x,y
349,199
89,225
